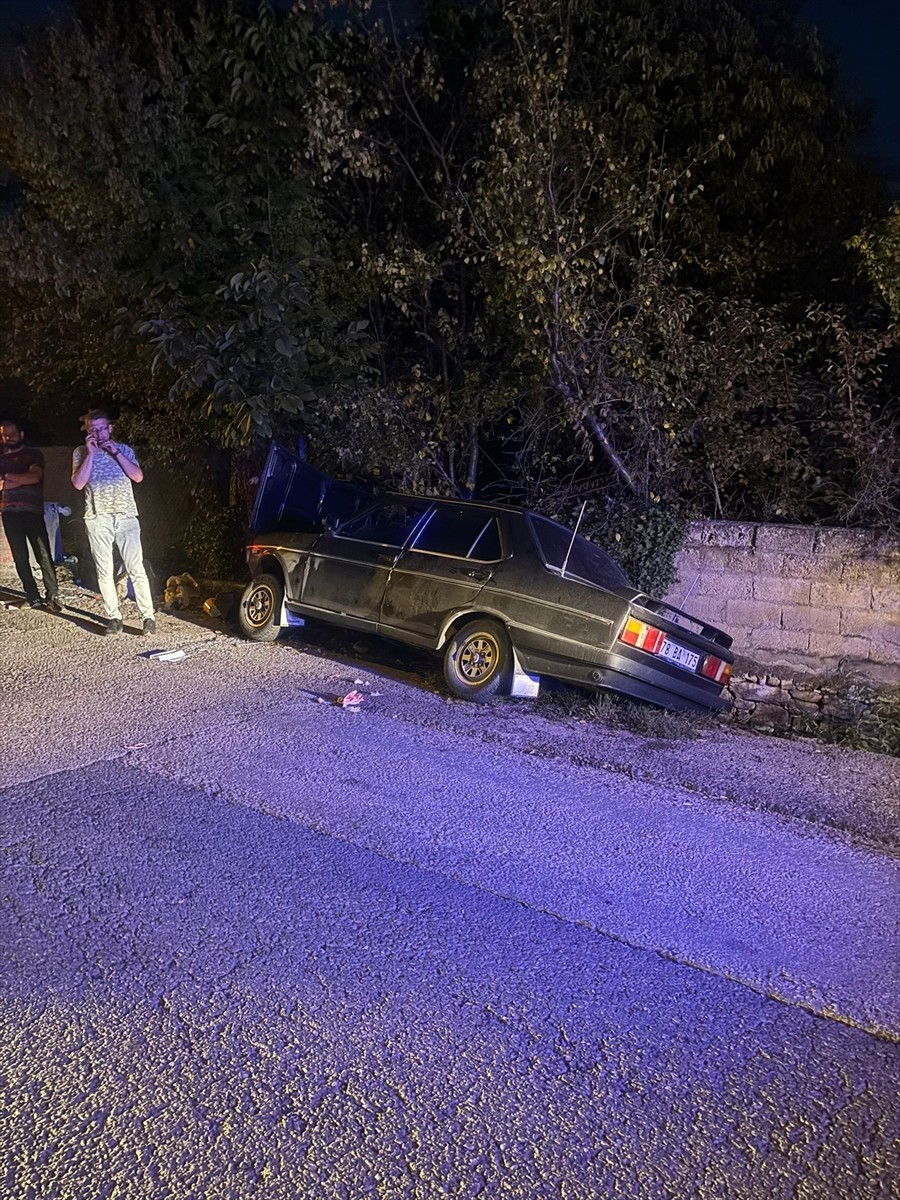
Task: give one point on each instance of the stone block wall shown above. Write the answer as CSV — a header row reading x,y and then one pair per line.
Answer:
x,y
799,601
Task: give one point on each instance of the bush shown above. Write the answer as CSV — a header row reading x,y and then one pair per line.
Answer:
x,y
643,537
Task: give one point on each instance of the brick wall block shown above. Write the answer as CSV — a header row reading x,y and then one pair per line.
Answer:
x,y
768,639
886,599
722,533
781,591
819,620
786,539
703,608
878,571
860,623
885,651
858,543
748,614
690,561
734,561
820,599
839,645
735,587
712,560
806,566
840,595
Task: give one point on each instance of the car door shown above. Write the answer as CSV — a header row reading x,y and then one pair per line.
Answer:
x,y
451,558
347,568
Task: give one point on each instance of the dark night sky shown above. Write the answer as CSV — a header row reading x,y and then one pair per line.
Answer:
x,y
863,35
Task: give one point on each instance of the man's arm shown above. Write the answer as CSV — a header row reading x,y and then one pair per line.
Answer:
x,y
82,465
34,474
127,464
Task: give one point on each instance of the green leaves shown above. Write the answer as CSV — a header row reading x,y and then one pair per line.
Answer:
x,y
538,239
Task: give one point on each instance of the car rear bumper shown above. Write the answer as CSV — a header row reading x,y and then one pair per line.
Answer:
x,y
650,681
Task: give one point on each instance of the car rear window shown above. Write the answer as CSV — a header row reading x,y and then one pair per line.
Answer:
x,y
461,532
585,560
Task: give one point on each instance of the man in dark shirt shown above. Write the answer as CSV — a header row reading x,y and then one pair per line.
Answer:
x,y
22,511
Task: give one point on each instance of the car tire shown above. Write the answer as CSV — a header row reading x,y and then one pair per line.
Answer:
x,y
260,608
478,661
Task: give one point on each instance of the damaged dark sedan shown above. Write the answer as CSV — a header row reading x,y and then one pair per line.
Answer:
x,y
504,595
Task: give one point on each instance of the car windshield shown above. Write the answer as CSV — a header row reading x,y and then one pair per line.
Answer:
x,y
582,559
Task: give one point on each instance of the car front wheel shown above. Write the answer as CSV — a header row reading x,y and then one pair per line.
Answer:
x,y
260,608
478,661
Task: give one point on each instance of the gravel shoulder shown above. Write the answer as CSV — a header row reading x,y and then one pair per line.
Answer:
x,y
115,696
765,862
255,943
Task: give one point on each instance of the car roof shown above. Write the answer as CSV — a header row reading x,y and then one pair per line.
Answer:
x,y
408,497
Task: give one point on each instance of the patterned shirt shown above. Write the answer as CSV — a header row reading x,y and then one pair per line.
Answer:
x,y
29,497
109,489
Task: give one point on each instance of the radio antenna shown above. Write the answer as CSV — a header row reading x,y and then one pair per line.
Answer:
x,y
574,536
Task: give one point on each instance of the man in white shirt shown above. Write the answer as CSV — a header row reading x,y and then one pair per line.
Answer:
x,y
105,471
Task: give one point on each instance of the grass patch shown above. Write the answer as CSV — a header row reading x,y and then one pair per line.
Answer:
x,y
871,721
606,708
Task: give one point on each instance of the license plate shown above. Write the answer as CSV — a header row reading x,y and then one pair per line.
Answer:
x,y
679,655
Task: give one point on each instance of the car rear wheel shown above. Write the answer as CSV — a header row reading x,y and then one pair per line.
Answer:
x,y
260,608
478,661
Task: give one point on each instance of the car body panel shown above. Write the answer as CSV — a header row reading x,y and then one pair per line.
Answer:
x,y
415,568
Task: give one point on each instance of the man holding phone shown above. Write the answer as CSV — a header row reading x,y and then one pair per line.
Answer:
x,y
105,471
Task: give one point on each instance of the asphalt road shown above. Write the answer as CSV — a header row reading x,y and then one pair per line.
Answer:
x,y
257,945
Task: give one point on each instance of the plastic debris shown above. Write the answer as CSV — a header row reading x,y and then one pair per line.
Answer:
x,y
352,699
167,655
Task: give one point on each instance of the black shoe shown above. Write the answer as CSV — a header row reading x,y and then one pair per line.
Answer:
x,y
114,626
38,603
149,627
53,606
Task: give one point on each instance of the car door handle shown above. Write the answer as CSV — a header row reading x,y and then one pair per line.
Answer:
x,y
472,572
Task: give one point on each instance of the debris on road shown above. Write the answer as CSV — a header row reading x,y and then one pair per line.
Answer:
x,y
181,591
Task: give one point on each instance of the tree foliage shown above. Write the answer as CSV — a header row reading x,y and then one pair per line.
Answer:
x,y
168,195
553,247
636,205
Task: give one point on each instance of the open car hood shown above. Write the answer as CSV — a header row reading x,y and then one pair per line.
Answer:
x,y
293,497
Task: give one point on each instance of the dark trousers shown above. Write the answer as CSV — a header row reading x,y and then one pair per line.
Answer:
x,y
22,528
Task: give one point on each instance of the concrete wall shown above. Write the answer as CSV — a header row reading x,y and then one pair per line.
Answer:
x,y
798,600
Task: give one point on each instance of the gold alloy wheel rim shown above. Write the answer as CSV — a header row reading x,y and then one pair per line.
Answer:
x,y
478,658
259,606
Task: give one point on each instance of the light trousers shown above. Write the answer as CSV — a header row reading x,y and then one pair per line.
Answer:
x,y
104,532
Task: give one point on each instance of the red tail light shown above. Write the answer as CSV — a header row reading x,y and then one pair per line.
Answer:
x,y
715,669
645,637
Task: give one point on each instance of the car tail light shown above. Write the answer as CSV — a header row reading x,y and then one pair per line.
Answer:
x,y
645,637
715,669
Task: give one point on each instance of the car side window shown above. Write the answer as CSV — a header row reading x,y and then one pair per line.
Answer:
x,y
387,524
461,532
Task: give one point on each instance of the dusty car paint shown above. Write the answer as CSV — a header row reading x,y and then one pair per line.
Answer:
x,y
402,567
